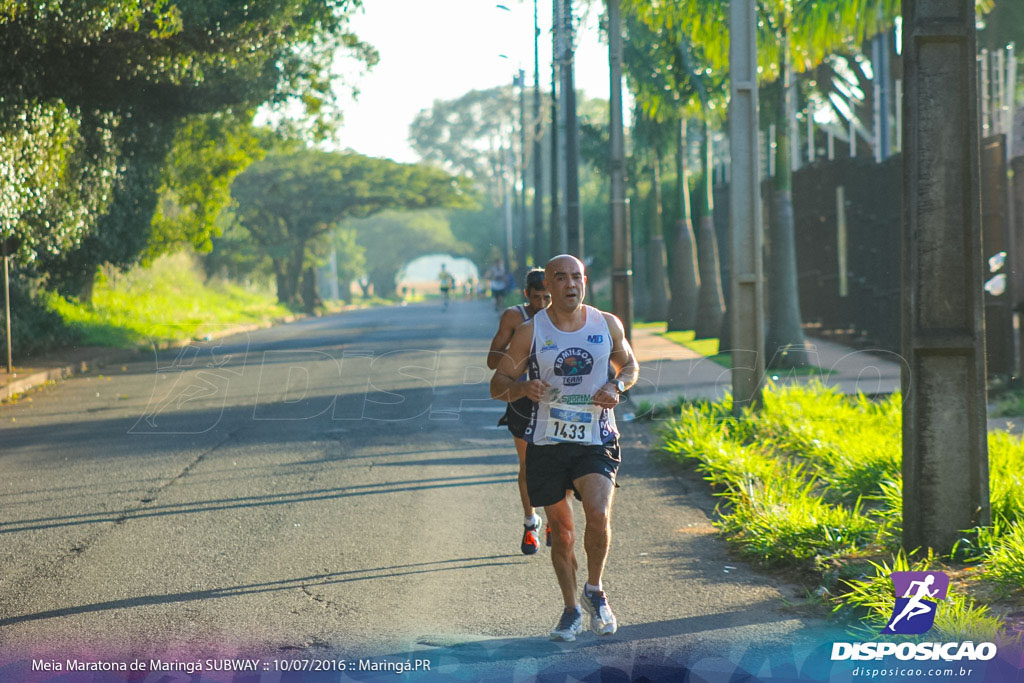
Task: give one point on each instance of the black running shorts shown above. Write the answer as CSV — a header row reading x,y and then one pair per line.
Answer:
x,y
551,470
517,416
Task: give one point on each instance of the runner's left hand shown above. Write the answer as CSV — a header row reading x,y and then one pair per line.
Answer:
x,y
606,399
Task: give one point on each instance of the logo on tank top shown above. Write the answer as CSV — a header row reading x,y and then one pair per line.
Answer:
x,y
595,338
572,365
549,345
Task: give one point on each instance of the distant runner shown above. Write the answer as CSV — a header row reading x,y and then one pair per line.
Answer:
x,y
499,283
447,282
517,414
579,362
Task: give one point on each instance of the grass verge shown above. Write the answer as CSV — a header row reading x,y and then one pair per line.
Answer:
x,y
709,349
166,302
812,484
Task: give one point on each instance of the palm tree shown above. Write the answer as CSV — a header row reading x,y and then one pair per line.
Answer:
x,y
794,35
650,135
656,86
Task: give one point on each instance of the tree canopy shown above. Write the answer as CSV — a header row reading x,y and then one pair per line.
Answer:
x,y
292,199
95,93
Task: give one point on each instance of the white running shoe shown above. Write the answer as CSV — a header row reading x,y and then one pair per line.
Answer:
x,y
602,621
569,626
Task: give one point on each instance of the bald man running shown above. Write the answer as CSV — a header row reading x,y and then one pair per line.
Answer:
x,y
578,363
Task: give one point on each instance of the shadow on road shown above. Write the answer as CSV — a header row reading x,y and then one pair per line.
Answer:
x,y
314,495
304,583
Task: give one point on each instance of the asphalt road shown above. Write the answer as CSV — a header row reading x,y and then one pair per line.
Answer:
x,y
337,489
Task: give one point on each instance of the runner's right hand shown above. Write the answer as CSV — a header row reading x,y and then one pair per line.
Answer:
x,y
535,389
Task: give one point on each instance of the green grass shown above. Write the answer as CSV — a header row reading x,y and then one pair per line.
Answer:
x,y
709,349
1008,404
165,302
813,481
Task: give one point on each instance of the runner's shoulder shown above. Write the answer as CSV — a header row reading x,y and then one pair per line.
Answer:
x,y
524,329
614,324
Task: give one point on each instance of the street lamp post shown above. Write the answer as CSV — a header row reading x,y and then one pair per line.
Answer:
x,y
747,310
538,170
622,254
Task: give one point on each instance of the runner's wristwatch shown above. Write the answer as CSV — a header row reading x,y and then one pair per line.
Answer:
x,y
620,385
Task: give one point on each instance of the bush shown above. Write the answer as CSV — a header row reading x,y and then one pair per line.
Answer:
x,y
34,327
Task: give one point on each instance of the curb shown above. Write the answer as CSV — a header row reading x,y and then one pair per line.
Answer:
x,y
20,386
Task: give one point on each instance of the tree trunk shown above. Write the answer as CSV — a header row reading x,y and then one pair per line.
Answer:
x,y
293,272
683,265
310,299
383,283
657,259
641,298
284,295
88,285
784,337
710,304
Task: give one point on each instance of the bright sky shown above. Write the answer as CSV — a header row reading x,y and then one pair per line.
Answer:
x,y
441,49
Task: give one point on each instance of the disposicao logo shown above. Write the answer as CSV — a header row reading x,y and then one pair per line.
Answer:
x,y
918,595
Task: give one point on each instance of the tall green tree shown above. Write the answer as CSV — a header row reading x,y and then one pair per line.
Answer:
x,y
652,137
793,35
290,201
125,74
207,153
392,239
668,78
469,135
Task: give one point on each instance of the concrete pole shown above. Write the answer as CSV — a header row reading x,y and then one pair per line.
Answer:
x,y
622,253
1011,97
563,130
747,277
7,313
573,212
556,245
983,93
538,169
810,135
877,113
523,224
899,115
945,456
333,286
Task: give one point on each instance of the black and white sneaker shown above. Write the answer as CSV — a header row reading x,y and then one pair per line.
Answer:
x,y
602,621
569,626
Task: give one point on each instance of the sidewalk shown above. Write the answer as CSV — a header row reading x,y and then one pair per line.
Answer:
x,y
669,370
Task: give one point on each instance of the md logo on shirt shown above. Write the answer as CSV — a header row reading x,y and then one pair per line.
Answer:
x,y
572,365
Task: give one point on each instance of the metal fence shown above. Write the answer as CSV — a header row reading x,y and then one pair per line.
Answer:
x,y
848,218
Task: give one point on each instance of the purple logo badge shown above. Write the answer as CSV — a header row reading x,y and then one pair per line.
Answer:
x,y
917,597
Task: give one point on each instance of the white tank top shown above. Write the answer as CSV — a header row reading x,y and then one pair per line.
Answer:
x,y
576,365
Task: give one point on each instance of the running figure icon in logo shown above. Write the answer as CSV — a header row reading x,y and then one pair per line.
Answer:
x,y
917,596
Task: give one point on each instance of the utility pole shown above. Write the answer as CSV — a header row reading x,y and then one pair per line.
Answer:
x,y
622,253
5,245
573,216
538,169
747,273
945,454
524,235
556,240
